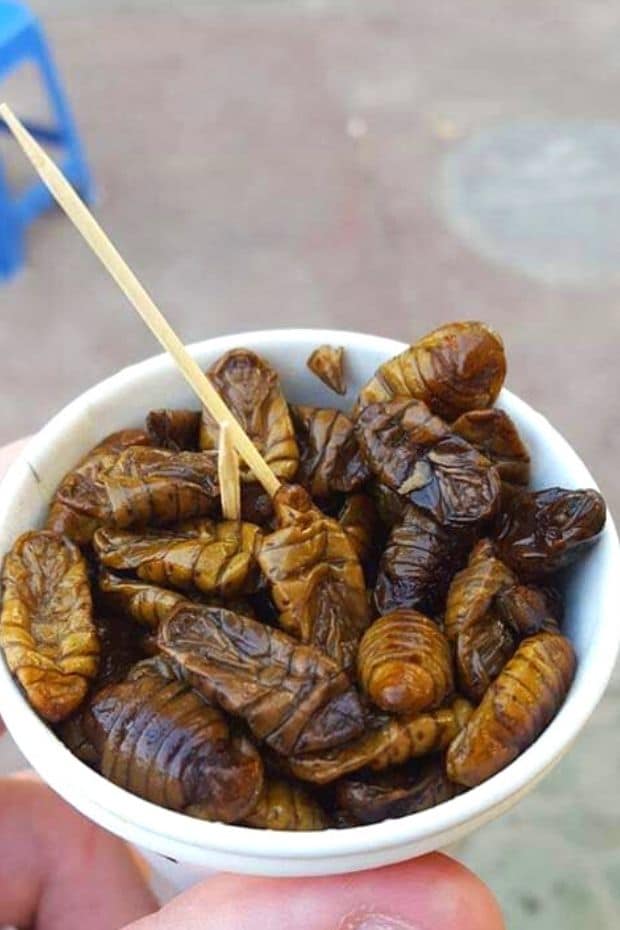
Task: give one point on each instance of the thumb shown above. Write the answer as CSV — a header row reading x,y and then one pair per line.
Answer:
x,y
431,893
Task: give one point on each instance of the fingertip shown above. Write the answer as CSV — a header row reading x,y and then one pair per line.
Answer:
x,y
433,892
467,902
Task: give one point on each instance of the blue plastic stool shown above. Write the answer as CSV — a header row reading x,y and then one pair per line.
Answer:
x,y
21,40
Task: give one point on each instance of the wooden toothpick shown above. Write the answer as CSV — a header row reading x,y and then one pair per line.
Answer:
x,y
103,248
228,473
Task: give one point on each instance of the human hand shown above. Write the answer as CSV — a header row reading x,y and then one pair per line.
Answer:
x,y
430,893
58,871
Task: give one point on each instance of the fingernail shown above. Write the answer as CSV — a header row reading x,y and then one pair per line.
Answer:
x,y
374,920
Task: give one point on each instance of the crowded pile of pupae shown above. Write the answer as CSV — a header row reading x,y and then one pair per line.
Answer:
x,y
381,635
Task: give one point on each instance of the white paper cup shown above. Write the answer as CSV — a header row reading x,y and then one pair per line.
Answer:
x,y
592,598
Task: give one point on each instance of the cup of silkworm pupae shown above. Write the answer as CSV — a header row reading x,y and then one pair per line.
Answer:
x,y
386,655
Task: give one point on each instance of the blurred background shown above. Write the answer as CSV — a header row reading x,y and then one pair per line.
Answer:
x,y
375,165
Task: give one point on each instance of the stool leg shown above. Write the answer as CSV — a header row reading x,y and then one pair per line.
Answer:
x,y
76,165
11,233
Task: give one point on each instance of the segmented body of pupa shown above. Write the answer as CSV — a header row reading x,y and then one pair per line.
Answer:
x,y
142,486
148,604
66,515
496,436
316,577
292,696
482,650
419,559
386,742
46,626
370,797
330,458
528,610
473,589
251,389
217,558
413,452
540,532
159,739
458,367
405,663
515,710
285,806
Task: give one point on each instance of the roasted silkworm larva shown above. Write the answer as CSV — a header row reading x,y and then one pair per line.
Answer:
x,y
414,453
494,434
46,627
316,577
68,518
417,564
174,429
330,458
283,805
359,519
542,531
143,486
371,797
528,610
482,650
292,696
395,434
251,389
148,604
386,742
160,740
210,557
458,367
327,363
473,589
515,710
405,663
422,735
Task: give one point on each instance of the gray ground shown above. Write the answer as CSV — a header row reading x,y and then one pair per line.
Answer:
x,y
381,166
